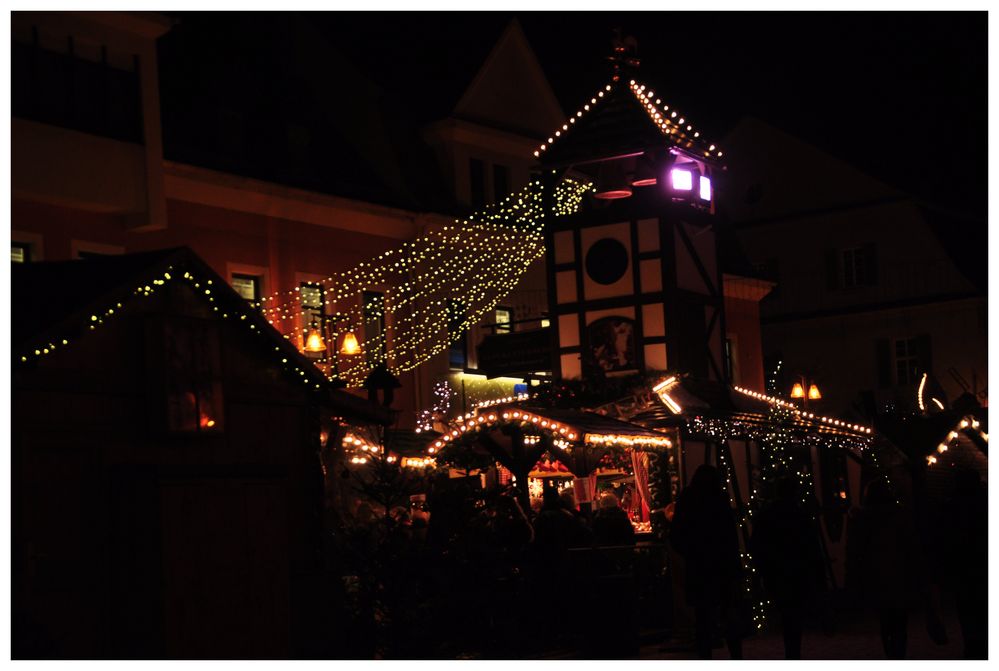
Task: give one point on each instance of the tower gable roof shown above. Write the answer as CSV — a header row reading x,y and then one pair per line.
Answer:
x,y
624,117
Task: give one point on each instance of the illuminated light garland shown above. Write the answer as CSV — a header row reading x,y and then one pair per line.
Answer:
x,y
597,439
474,263
563,436
307,373
500,401
676,129
966,424
442,403
919,393
805,415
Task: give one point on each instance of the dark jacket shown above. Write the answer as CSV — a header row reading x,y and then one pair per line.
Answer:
x,y
611,526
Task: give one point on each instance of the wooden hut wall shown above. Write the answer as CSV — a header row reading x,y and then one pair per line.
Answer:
x,y
129,539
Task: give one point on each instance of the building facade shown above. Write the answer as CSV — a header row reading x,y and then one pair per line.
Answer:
x,y
873,289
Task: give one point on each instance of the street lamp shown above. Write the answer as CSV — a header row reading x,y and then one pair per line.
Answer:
x,y
798,391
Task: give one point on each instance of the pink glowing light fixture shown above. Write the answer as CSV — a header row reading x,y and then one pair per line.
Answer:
x,y
682,180
705,188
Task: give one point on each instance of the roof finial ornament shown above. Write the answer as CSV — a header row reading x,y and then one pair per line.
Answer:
x,y
625,53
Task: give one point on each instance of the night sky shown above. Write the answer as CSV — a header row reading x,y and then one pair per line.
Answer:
x,y
903,96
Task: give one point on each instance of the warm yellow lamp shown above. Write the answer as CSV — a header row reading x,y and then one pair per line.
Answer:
x,y
797,391
813,393
350,344
314,341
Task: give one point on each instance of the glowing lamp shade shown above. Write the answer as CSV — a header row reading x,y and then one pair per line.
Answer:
x,y
314,341
350,345
645,174
682,180
612,183
705,188
613,194
813,393
797,391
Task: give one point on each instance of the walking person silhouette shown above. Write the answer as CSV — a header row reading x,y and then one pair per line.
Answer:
x,y
704,533
786,550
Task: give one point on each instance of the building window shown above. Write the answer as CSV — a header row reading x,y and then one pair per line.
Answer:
x,y
501,182
313,307
193,377
477,183
852,268
504,319
907,368
458,351
902,361
375,347
20,252
247,286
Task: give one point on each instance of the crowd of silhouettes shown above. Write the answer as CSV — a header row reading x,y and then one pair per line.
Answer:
x,y
483,547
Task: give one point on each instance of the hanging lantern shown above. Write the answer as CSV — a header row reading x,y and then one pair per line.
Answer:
x,y
314,341
813,393
350,345
612,183
645,174
797,391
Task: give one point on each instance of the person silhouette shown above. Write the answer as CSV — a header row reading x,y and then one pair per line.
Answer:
x,y
966,528
883,551
786,550
704,534
611,525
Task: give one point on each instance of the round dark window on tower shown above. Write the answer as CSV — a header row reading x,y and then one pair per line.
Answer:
x,y
606,261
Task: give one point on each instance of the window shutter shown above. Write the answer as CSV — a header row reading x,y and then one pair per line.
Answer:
x,y
871,265
832,269
882,354
925,353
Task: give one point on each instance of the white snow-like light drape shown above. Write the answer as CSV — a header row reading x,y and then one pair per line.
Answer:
x,y
434,287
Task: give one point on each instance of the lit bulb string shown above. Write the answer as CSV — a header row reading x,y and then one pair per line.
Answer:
x,y
564,436
478,262
380,266
442,403
567,195
746,559
670,123
307,374
485,253
673,124
804,415
966,424
495,212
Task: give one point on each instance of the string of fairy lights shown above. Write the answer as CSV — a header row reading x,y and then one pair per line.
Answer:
x,y
434,287
672,124
242,313
968,423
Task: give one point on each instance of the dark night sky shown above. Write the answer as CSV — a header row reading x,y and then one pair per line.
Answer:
x,y
901,95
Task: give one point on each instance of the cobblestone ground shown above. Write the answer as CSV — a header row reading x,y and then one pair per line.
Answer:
x,y
856,639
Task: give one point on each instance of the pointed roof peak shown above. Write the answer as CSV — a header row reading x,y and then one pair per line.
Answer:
x,y
624,117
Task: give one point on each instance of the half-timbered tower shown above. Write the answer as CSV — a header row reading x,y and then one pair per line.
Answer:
x,y
634,282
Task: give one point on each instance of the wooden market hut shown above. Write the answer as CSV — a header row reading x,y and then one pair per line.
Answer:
x,y
745,432
166,474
